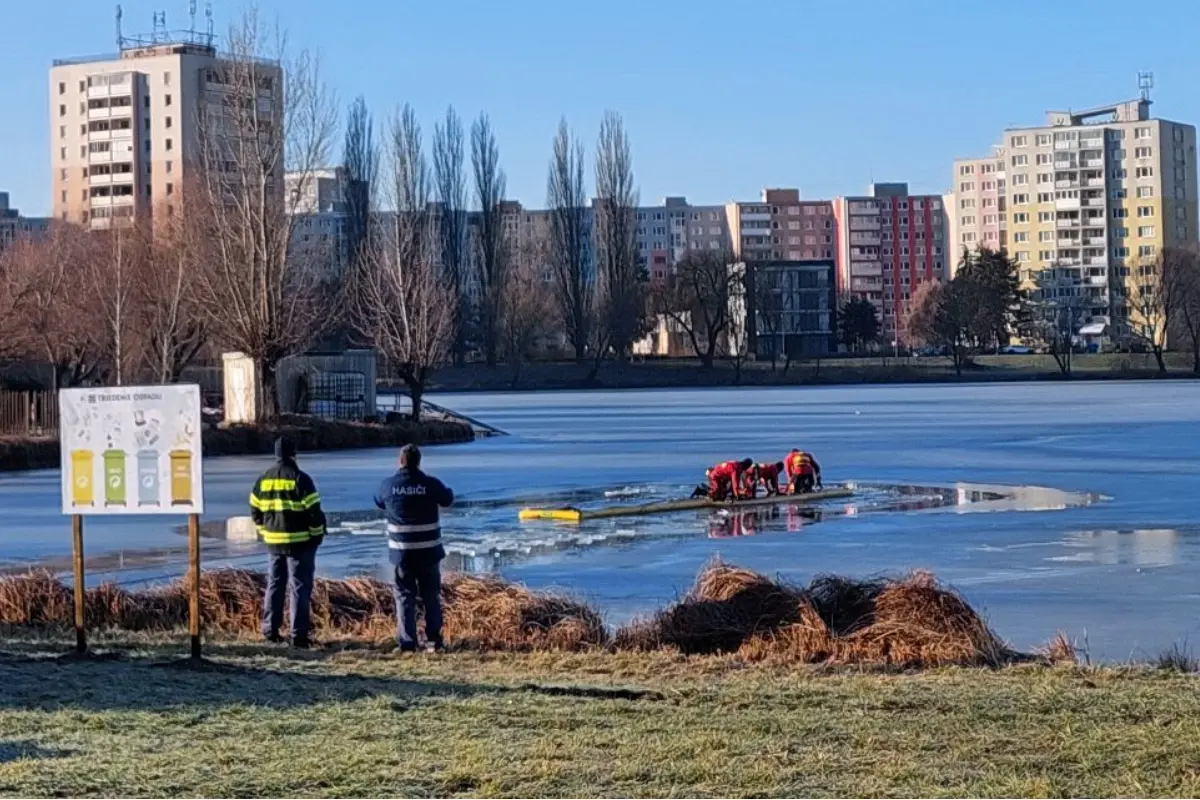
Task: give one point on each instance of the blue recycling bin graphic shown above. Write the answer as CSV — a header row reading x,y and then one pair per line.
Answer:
x,y
148,483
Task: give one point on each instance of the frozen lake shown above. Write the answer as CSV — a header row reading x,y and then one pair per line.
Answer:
x,y
1117,566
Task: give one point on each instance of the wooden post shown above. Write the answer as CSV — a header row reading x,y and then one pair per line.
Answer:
x,y
77,557
194,582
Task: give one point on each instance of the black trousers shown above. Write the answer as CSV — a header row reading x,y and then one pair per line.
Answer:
x,y
418,581
294,568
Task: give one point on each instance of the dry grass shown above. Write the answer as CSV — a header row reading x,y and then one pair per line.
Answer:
x,y
909,623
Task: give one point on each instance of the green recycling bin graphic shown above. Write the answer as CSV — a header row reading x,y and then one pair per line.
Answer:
x,y
114,477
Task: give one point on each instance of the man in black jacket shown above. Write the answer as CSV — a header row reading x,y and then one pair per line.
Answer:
x,y
411,500
287,511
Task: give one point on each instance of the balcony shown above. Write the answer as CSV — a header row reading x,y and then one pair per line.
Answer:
x,y
1066,203
1093,241
1094,182
1068,242
864,224
1096,261
1067,222
1093,162
1066,184
866,270
1091,202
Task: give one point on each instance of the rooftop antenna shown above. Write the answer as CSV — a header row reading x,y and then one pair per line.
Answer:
x,y
192,14
160,27
120,38
1145,84
209,16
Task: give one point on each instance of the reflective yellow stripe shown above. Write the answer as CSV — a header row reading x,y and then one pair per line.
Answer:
x,y
282,505
310,501
277,485
254,501
279,537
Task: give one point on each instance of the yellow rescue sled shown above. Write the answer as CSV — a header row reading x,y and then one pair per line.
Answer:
x,y
668,506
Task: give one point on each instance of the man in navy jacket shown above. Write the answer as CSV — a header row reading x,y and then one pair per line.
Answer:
x,y
410,500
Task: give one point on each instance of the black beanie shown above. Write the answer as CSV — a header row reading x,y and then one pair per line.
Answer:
x,y
285,448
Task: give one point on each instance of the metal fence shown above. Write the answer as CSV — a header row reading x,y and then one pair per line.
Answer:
x,y
28,413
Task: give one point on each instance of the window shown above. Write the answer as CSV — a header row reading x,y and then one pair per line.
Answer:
x,y
1145,191
1045,216
167,100
967,169
1118,153
968,238
62,88
1120,233
1141,133
1045,255
1020,141
1143,152
1145,172
1146,231
793,211
1119,194
1020,218
793,225
169,146
1020,180
1045,236
166,79
1120,252
146,101
1020,237
62,110
1020,161
965,221
1045,197
1022,255
1045,177
1043,159
989,202
990,219
167,122
966,186
1146,250
966,203
62,153
1043,139
64,195
170,188
1119,174
1020,199
1120,213
1145,211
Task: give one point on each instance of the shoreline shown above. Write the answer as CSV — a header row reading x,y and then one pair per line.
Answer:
x,y
562,376
311,435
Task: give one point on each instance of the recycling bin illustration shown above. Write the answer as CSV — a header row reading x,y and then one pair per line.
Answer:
x,y
83,487
114,477
181,477
148,484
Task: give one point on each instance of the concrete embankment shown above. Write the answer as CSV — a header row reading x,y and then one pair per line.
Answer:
x,y
311,434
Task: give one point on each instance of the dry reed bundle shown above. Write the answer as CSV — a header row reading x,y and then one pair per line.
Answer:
x,y
487,613
845,604
37,598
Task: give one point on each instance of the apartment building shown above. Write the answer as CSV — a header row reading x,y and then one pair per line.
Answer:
x,y
976,215
13,226
1093,195
665,232
789,307
890,243
782,227
125,128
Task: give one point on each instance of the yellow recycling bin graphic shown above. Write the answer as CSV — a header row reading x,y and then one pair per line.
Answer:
x,y
114,477
83,488
181,477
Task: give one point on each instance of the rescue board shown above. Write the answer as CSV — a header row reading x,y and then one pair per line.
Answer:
x,y
669,506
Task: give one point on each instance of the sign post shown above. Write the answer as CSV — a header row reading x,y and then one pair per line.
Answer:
x,y
132,450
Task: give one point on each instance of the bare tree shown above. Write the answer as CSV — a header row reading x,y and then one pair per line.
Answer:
x,y
697,297
116,265
450,191
1183,270
768,314
490,241
169,320
528,310
622,307
360,160
59,320
566,196
402,304
1055,312
259,295
1149,301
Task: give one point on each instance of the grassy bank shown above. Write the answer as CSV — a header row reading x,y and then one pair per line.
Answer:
x,y
688,373
310,434
904,622
362,723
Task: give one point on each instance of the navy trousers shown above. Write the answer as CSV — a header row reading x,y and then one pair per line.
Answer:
x,y
293,567
418,581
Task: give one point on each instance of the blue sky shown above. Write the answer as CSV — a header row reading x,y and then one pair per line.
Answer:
x,y
720,98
